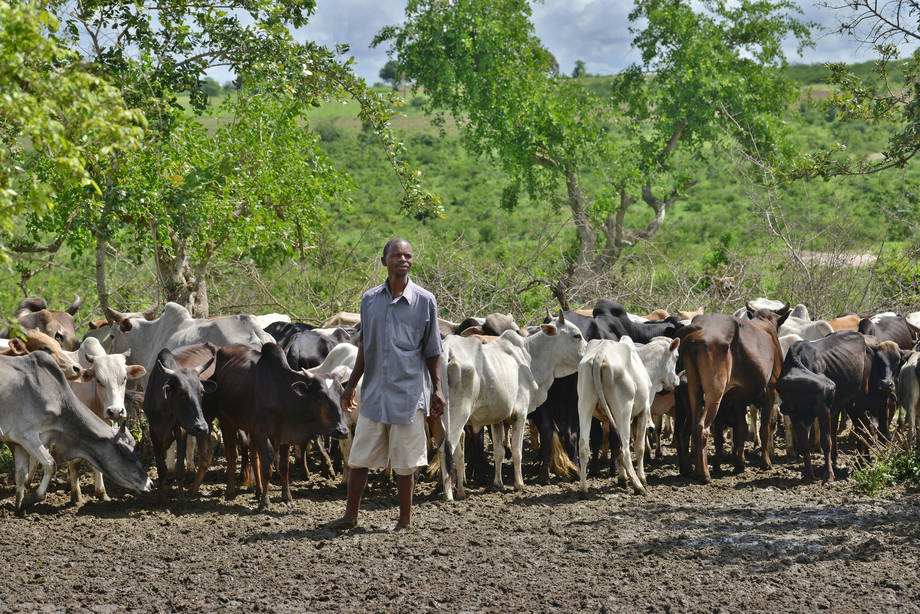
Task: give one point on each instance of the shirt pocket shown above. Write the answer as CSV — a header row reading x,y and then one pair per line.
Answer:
x,y
407,336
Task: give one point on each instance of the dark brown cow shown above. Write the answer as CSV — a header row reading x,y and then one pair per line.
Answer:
x,y
173,406
889,327
33,314
259,393
734,360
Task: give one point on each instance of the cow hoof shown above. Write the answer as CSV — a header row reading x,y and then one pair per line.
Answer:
x,y
702,478
543,479
739,469
104,497
76,500
289,504
230,495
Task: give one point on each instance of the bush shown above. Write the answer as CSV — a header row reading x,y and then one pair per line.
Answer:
x,y
896,462
327,131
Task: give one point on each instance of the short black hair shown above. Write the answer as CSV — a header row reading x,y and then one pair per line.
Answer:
x,y
392,243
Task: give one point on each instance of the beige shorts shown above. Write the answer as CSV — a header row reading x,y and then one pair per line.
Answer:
x,y
404,447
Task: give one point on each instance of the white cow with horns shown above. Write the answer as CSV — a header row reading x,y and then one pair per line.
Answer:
x,y
617,381
501,382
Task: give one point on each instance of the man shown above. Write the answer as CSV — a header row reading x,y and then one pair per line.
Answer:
x,y
400,359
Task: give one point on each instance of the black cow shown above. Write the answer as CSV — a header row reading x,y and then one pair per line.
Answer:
x,y
873,415
889,328
173,406
283,331
819,380
258,392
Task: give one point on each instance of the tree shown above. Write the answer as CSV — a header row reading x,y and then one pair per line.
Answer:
x,y
390,74
211,88
152,52
890,97
579,70
53,108
705,75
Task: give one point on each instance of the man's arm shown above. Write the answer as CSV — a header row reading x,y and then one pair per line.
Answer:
x,y
348,394
436,407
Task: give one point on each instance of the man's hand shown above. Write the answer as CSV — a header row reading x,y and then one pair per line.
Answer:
x,y
436,407
348,399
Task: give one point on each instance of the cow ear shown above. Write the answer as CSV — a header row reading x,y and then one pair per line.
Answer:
x,y
125,325
472,330
165,390
829,392
674,345
87,375
135,371
750,310
549,329
210,387
905,354
18,347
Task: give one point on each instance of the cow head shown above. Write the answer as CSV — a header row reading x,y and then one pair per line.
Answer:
x,y
182,393
774,317
887,359
124,466
110,373
320,396
805,395
37,341
568,346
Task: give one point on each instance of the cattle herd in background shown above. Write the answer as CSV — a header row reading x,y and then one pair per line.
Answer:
x,y
270,384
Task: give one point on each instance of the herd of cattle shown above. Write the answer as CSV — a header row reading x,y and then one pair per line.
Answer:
x,y
269,384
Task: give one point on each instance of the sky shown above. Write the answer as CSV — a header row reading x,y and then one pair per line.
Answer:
x,y
595,31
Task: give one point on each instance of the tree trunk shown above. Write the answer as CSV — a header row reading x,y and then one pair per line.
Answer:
x,y
586,234
179,281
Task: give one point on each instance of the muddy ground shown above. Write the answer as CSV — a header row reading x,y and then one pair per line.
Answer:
x,y
758,542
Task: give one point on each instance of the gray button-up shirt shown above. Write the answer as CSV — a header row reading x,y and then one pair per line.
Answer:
x,y
398,336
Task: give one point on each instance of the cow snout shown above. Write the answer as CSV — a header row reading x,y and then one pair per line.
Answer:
x,y
887,385
340,431
148,486
199,428
116,413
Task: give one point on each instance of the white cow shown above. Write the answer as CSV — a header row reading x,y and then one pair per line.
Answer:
x,y
339,363
799,311
909,391
616,382
103,391
176,328
809,330
499,382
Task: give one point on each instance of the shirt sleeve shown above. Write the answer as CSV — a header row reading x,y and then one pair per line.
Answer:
x,y
432,341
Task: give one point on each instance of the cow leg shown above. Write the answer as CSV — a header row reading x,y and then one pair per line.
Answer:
x,y
99,484
545,426
803,446
205,453
766,428
181,452
36,450
262,454
824,425
73,474
159,456
587,401
229,435
790,437
284,470
21,461
835,417
517,450
639,439
345,449
752,415
498,452
326,468
739,437
300,457
247,472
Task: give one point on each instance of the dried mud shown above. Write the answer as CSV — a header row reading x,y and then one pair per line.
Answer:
x,y
759,542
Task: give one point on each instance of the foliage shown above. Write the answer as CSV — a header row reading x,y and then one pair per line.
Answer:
x,y
52,106
704,75
579,71
889,97
390,74
894,462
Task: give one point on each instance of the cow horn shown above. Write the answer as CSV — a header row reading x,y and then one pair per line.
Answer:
x,y
127,353
165,370
561,318
77,301
201,369
111,315
549,315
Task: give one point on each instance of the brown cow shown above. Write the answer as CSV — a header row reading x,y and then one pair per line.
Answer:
x,y
689,315
736,361
37,340
848,322
33,313
259,393
659,315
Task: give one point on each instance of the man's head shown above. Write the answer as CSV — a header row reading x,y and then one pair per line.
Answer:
x,y
397,257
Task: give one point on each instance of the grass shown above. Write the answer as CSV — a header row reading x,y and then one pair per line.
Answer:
x,y
893,462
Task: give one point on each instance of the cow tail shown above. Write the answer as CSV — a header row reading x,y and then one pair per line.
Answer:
x,y
598,363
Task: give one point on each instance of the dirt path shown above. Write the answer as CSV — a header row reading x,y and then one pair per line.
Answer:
x,y
759,542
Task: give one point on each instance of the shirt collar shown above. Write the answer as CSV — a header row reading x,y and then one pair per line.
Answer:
x,y
410,293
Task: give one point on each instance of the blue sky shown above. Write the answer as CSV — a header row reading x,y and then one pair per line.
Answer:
x,y
591,30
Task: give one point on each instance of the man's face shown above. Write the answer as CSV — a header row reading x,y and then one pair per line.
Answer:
x,y
398,260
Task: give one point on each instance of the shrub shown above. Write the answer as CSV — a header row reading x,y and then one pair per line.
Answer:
x,y
895,462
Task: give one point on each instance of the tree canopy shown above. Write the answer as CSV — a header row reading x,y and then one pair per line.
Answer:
x,y
706,75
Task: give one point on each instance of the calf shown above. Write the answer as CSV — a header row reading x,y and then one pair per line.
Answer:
x,y
909,392
629,376
38,410
173,405
733,359
259,393
102,390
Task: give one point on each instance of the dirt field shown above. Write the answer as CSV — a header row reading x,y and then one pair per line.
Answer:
x,y
759,542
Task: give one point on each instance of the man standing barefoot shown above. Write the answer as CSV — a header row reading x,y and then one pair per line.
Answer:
x,y
400,358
